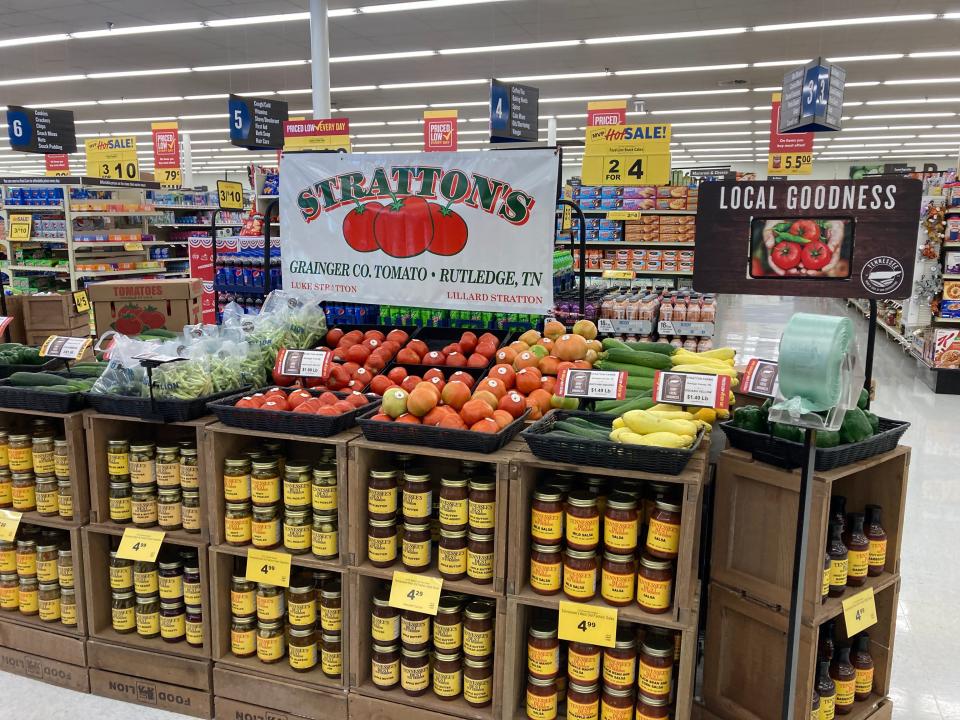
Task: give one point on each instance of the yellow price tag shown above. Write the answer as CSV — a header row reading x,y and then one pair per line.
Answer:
x,y
230,195
133,246
140,544
626,169
588,623
859,612
271,568
623,215
567,221
80,301
618,275
57,173
789,163
114,158
9,521
66,347
173,177
20,227
415,592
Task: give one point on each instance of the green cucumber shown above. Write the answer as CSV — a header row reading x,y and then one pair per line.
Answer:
x,y
662,348
619,407
582,432
160,333
632,370
610,343
655,360
28,379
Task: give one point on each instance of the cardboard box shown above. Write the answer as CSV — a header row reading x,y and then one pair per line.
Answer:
x,y
52,312
130,306
15,330
37,337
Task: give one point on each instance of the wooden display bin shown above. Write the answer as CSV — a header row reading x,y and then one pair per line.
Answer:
x,y
397,704
223,441
96,562
52,657
368,708
103,428
221,570
519,614
366,455
242,695
69,426
746,647
755,520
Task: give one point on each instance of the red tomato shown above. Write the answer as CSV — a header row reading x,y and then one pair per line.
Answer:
x,y
806,228
246,402
328,398
815,255
449,231
785,255
404,228
275,404
309,406
281,379
298,397
258,399
358,226
327,410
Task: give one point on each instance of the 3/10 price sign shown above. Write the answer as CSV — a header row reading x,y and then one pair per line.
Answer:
x,y
229,195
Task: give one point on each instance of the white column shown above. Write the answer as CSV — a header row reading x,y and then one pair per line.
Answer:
x,y
320,59
552,131
186,160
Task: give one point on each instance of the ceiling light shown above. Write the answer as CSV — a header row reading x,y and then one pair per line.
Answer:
x,y
137,30
250,66
913,101
665,36
584,98
709,124
510,47
904,115
215,96
875,137
384,56
127,101
47,79
390,135
558,76
420,5
710,134
210,116
382,107
689,68
303,91
261,19
352,88
838,22
434,83
138,73
869,83
858,58
34,40
66,103
922,81
262,93
690,92
697,143
463,104
778,63
687,111
140,119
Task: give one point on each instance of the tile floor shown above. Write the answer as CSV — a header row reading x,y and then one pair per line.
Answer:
x,y
926,680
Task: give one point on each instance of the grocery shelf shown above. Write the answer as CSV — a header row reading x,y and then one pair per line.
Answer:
x,y
112,213
952,244
629,243
598,213
187,207
102,273
145,243
39,239
38,268
946,320
643,273
32,208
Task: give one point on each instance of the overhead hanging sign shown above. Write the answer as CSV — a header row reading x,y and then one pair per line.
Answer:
x,y
166,154
514,112
114,158
627,155
439,130
790,153
36,130
606,112
256,123
332,134
821,238
56,165
812,98
447,230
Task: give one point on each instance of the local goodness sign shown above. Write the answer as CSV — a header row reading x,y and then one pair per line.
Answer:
x,y
448,230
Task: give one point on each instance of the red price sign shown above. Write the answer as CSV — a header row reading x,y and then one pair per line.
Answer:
x,y
595,384
762,377
698,389
304,363
5,320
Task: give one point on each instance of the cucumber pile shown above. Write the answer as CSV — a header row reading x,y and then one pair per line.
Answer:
x,y
81,378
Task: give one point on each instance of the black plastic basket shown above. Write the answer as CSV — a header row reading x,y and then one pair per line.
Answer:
x,y
51,364
150,409
282,421
39,398
788,454
438,437
603,453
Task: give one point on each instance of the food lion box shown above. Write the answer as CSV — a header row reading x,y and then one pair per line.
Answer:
x,y
132,306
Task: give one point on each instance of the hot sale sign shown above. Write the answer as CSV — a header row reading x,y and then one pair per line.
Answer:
x,y
439,130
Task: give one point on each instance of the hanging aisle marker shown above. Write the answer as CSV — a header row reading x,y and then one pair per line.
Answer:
x,y
140,544
415,592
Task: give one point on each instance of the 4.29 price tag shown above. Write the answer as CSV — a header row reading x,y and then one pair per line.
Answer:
x,y
588,624
270,568
698,389
140,544
415,592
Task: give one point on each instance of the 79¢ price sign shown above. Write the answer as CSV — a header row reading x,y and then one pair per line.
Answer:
x,y
415,593
588,624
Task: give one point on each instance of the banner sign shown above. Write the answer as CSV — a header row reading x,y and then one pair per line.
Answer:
x,y
166,153
114,157
790,153
819,238
36,130
439,130
514,111
329,134
812,97
200,249
56,165
256,123
606,112
460,231
627,155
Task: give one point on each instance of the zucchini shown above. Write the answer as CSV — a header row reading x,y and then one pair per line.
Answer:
x,y
86,372
631,370
41,379
610,343
658,361
581,432
160,333
639,383
587,425
662,348
619,407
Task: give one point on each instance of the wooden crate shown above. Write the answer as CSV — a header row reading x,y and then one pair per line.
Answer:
x,y
519,613
365,455
163,681
755,520
69,426
221,569
48,668
745,654
53,313
400,704
102,428
251,696
223,441
96,560
368,708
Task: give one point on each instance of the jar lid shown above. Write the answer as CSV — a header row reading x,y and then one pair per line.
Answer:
x,y
191,492
618,558
23,476
483,484
479,610
19,438
332,594
658,487
270,624
548,549
147,599
654,651
540,682
50,585
385,648
265,464
454,534
620,500
321,576
596,482
26,543
45,478
170,492
548,494
241,579
416,527
581,554
417,474
546,634
295,514
480,537
168,449
145,489
68,591
28,580
325,516
142,447
269,510
301,632
301,585
653,702
384,474
115,485
111,443
406,652
392,522
171,604
173,565
445,657
477,663
46,547
297,466
122,595
324,471
453,482
448,605
331,637
187,450
648,561
669,507
380,601
236,461
249,620
625,643
582,499
583,689
618,692
238,506
65,553
194,610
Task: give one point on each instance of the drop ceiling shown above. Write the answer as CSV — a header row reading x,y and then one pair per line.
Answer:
x,y
902,99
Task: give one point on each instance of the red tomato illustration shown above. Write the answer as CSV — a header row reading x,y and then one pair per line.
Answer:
x,y
404,228
815,255
785,255
449,231
358,227
153,318
128,325
806,228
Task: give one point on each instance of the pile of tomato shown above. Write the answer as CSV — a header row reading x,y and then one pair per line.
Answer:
x,y
299,400
800,247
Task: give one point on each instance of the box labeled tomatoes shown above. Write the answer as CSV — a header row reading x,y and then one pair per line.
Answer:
x,y
132,306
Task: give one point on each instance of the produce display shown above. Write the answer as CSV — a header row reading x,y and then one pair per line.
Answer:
x,y
16,354
80,378
36,576
801,248
301,400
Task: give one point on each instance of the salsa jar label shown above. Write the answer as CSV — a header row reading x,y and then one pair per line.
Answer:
x,y
663,537
581,668
545,577
655,681
616,587
608,712
543,662
583,531
546,526
619,672
620,535
582,711
541,707
653,593
580,583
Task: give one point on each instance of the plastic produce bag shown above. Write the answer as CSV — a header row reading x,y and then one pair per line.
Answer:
x,y
124,374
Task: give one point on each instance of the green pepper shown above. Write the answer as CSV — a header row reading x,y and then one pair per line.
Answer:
x,y
787,432
791,238
863,399
855,427
750,417
873,420
827,438
782,227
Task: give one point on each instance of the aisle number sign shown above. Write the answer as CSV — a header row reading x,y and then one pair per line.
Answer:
x,y
143,545
9,522
229,195
166,154
114,158
416,593
587,624
20,226
270,568
859,612
627,155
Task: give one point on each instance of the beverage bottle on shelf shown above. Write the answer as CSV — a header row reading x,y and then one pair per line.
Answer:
x,y
666,309
693,310
690,344
708,309
679,310
705,344
878,541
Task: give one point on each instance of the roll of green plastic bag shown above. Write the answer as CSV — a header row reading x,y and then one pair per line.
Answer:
x,y
812,352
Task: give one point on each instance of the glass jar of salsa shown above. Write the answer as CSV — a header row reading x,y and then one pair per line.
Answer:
x,y
649,708
543,652
546,517
541,699
582,521
616,703
620,524
654,584
620,661
655,673
583,663
663,532
546,569
580,575
616,579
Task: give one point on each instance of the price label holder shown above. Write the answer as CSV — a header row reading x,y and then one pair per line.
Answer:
x,y
81,301
626,169
68,348
618,275
271,568
698,389
304,363
20,227
683,327
593,384
229,195
140,544
761,378
623,215
170,176
588,624
9,522
415,592
133,246
859,612
625,327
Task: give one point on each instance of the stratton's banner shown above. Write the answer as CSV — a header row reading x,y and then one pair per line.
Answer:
x,y
447,230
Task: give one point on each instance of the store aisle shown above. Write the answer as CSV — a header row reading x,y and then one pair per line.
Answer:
x,y
927,648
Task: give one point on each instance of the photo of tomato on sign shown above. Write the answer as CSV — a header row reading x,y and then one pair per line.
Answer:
x,y
804,247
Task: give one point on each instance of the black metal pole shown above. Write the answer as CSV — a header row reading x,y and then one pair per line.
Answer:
x,y
583,250
266,244
213,245
799,568
871,340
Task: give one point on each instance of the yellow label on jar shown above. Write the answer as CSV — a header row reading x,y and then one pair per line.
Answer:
x,y
654,594
238,530
413,679
266,534
302,657
243,642
296,494
479,565
478,690
324,544
417,504
619,535
382,501
26,564
9,598
385,674
68,614
168,475
171,587
43,462
236,488
168,514
47,502
655,680
583,669
583,531
302,614
838,572
416,555
8,561
61,466
118,464
382,549
21,459
144,512
545,577
857,562
265,491
65,505
324,498
619,671
582,711
195,633
546,525
146,583
29,601
5,455
270,648
541,707
477,643
453,512
385,630
296,537
47,571
877,553
189,476
243,603
331,619
148,623
24,498
331,663
825,583
121,578
414,632
482,515
173,626
143,472
543,662
447,684
608,712
863,683
845,691
190,517
121,509
447,637
814,713
191,593
616,587
452,561
6,494
270,607
579,583
664,537
123,619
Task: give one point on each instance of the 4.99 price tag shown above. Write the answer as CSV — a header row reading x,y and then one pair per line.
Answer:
x,y
270,568
304,363
859,612
415,592
588,624
140,545
698,389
